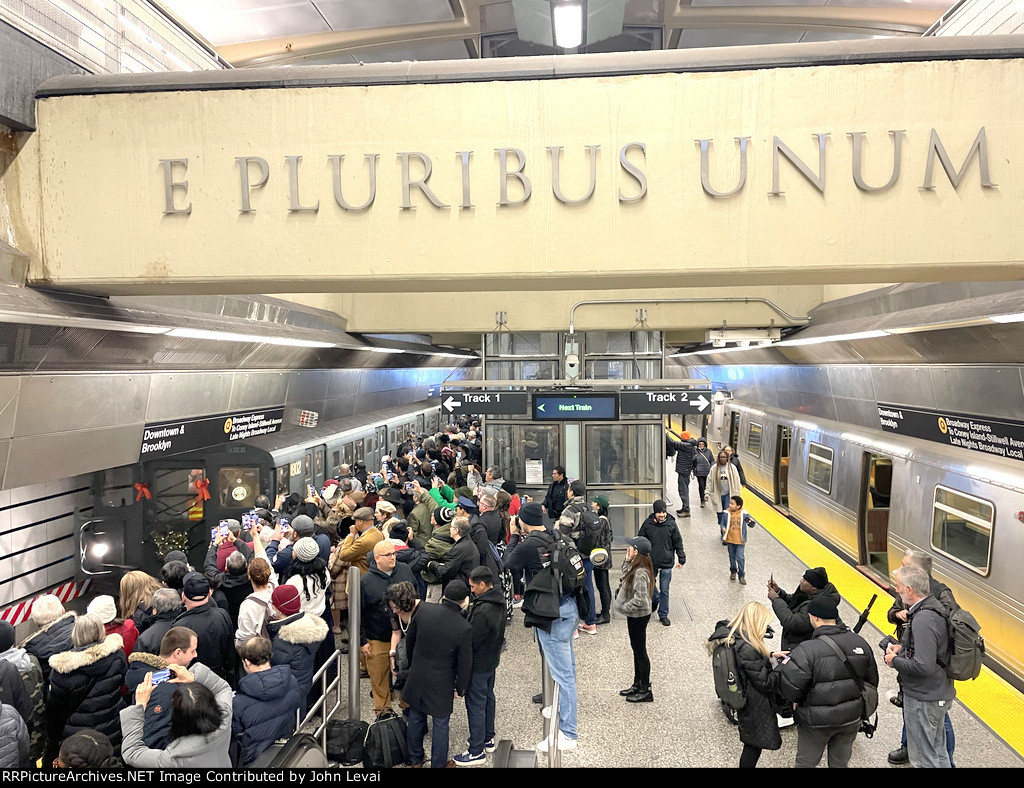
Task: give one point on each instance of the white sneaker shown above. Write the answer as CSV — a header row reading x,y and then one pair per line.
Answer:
x,y
784,722
564,743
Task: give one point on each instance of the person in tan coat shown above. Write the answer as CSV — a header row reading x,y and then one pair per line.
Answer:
x,y
361,538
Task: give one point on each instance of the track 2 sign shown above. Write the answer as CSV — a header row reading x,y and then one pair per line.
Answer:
x,y
486,403
665,402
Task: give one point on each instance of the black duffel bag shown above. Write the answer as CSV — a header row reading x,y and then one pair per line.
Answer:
x,y
345,741
384,744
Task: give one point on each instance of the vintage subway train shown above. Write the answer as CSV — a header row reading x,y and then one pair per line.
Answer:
x,y
173,502
871,496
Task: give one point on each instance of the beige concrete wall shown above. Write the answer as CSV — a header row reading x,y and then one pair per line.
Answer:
x,y
103,227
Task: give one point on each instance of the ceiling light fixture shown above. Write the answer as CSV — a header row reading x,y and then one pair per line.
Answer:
x,y
834,338
1018,317
385,350
226,336
567,24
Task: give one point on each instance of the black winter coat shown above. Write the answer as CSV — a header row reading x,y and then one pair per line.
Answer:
x,y
440,644
85,690
216,638
486,616
462,559
819,682
492,523
757,722
684,451
557,495
666,543
149,641
413,556
52,639
376,613
478,534
156,723
791,610
13,691
236,587
264,710
296,639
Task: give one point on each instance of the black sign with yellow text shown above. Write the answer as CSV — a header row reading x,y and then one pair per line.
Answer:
x,y
1000,437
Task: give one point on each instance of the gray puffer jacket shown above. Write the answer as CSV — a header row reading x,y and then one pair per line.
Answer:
x,y
13,738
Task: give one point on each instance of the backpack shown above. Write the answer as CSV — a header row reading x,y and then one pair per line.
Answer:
x,y
384,744
568,564
590,531
606,536
966,646
728,686
345,741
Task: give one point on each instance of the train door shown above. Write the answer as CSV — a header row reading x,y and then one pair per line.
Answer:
x,y
178,513
783,438
420,423
734,431
382,443
319,466
876,491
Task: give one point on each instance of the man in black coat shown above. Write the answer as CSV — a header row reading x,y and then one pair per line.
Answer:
x,y
166,607
440,647
234,580
462,559
666,547
685,451
375,631
829,703
557,495
792,609
486,616
211,624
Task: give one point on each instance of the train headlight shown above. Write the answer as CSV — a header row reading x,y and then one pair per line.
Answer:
x,y
100,549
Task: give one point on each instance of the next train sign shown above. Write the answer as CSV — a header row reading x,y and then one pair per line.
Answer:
x,y
1000,437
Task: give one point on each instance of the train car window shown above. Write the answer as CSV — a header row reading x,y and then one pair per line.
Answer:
x,y
238,486
348,454
819,467
754,439
176,494
962,528
283,480
307,466
335,460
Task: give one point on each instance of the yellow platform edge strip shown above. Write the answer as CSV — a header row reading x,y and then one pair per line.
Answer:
x,y
990,698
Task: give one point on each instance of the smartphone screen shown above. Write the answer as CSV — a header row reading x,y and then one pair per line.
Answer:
x,y
161,676
408,486
310,490
224,530
214,531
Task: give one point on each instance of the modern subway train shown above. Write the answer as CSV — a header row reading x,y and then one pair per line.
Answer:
x,y
871,496
174,501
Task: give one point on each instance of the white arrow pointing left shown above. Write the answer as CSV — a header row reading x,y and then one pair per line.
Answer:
x,y
703,402
451,404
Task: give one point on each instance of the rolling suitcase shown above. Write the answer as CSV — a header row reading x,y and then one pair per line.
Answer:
x,y
301,751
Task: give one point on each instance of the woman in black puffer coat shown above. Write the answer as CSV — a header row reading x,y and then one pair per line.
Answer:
x,y
85,685
759,729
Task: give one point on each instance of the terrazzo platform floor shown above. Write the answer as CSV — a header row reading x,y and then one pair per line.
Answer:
x,y
685,727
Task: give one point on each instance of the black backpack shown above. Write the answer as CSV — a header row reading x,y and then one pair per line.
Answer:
x,y
345,741
568,563
728,685
590,529
384,744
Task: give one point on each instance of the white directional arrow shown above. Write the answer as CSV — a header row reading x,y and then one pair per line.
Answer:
x,y
541,407
451,404
704,402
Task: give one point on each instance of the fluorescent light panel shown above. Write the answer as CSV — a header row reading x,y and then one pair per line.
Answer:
x,y
226,336
568,23
835,338
1014,318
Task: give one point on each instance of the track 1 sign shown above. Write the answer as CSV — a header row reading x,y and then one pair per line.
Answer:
x,y
486,403
667,402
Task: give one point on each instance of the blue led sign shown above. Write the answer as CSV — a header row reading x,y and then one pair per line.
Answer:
x,y
575,407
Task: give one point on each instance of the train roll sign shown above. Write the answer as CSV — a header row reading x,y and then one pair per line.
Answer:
x,y
1001,437
175,437
664,402
486,403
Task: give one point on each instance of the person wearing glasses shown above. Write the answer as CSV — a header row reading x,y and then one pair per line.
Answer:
x,y
375,630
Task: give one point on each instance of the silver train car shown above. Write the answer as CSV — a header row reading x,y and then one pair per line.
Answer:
x,y
871,496
366,437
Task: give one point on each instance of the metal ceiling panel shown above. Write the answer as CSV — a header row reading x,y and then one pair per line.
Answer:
x,y
10,385
697,39
856,412
61,454
900,386
992,391
359,14
184,395
266,20
339,407
68,403
308,385
851,381
258,390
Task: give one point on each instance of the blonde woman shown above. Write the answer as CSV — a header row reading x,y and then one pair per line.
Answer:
x,y
135,595
758,725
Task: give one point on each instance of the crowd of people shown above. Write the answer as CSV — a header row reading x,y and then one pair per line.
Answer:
x,y
207,668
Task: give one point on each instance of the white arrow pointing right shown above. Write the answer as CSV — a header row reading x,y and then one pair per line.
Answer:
x,y
451,404
703,402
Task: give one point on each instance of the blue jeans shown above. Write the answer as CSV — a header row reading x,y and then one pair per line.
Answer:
x,y
480,710
558,651
926,733
737,561
417,729
588,582
723,516
660,599
950,738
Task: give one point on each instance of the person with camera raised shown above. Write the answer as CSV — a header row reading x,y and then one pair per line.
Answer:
x,y
824,676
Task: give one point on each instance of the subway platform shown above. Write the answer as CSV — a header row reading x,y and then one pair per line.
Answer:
x,y
685,726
